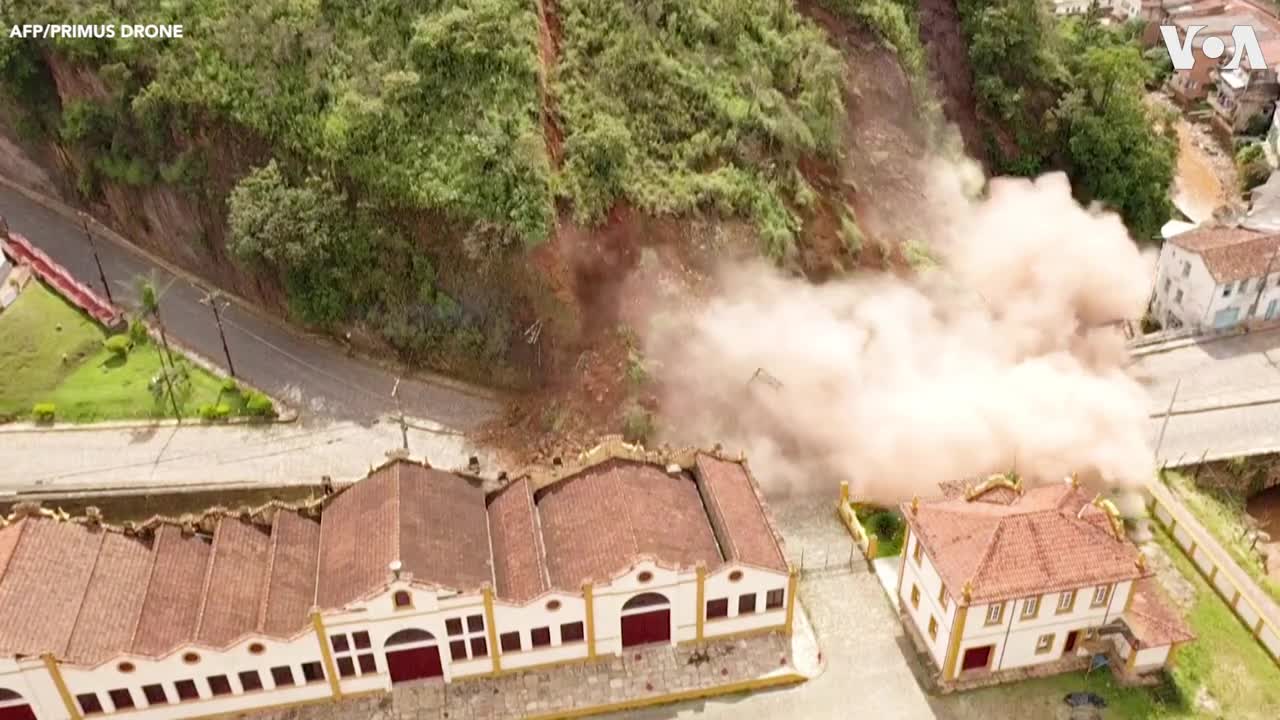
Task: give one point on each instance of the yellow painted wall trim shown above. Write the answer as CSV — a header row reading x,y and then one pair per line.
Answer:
x,y
51,665
588,600
1213,572
791,600
1128,601
330,670
1257,628
492,626
902,561
702,600
731,688
953,647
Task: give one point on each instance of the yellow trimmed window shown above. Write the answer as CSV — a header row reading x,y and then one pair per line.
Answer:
x,y
1066,601
1044,644
1030,608
918,553
943,599
995,612
1101,595
933,628
915,596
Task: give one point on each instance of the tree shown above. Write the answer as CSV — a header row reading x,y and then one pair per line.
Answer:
x,y
149,295
1113,154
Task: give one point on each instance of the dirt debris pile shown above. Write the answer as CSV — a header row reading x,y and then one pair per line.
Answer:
x,y
1001,357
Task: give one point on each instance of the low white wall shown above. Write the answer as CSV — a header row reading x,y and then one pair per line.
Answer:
x,y
1151,658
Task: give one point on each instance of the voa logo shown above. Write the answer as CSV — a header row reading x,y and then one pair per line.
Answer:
x,y
1242,37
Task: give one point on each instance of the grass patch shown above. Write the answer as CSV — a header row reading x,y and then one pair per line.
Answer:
x,y
1221,512
886,525
92,383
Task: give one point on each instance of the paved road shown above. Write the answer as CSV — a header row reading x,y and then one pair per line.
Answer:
x,y
307,372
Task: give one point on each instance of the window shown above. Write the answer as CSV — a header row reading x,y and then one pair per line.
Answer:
x,y
479,647
250,680
89,703
644,577
1226,290
475,623
1066,601
933,628
735,576
257,648
472,636
1030,608
126,667
219,685
553,605
344,648
995,612
773,599
458,649
1044,644
155,695
122,699
282,676
1178,297
540,637
915,596
943,598
917,553
191,658
1167,283
403,600
1186,268
453,626
718,608
313,672
1101,594
571,632
746,604
187,690
509,642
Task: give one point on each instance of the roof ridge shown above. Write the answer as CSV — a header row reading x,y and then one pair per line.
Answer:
x,y
208,578
395,513
719,520
989,551
22,529
488,536
1040,553
539,546
265,601
102,540
142,606
315,592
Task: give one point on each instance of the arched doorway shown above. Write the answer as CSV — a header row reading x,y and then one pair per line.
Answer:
x,y
13,707
646,618
412,654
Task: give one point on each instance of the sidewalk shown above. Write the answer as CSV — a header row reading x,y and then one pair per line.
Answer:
x,y
201,456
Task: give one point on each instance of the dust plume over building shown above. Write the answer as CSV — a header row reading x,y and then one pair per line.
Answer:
x,y
999,357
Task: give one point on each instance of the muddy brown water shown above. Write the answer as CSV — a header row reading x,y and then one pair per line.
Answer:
x,y
1265,508
1198,191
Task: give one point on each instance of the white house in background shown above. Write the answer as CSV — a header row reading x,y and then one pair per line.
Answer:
x,y
997,578
1119,9
1217,277
410,573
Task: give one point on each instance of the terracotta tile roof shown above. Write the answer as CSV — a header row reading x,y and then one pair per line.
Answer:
x,y
1152,619
291,587
237,579
738,514
1230,253
33,619
1050,538
113,600
174,591
519,565
596,523
433,522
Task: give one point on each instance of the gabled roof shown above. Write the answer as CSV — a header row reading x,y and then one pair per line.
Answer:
x,y
1230,253
1152,619
1003,544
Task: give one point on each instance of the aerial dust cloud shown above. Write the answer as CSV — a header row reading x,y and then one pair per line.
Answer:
x,y
998,359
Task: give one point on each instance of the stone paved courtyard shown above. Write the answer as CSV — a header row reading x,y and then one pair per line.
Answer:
x,y
640,673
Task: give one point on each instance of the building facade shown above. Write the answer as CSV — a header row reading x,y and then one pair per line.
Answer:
x,y
995,579
409,574
1215,278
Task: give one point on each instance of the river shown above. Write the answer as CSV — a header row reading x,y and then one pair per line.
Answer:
x,y
1198,190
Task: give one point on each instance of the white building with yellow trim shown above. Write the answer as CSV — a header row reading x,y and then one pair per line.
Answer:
x,y
411,573
996,578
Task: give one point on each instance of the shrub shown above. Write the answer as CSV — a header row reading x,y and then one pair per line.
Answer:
x,y
886,525
44,412
214,413
138,331
118,345
1252,164
258,405
230,386
637,425
850,233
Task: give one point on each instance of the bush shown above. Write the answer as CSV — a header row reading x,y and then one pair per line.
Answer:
x,y
230,386
886,525
258,405
1251,162
43,412
138,331
118,345
637,425
214,413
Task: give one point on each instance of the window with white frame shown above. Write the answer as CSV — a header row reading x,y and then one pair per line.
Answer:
x,y
1030,608
1066,601
353,654
995,611
1101,594
467,638
1044,644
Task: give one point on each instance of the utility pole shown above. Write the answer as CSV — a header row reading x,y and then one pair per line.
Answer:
x,y
216,300
1167,414
84,223
404,427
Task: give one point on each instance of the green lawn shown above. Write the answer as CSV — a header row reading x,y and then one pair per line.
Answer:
x,y
886,525
41,329
1221,515
1225,666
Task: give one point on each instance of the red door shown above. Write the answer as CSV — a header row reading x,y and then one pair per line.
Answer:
x,y
17,712
414,664
976,658
645,628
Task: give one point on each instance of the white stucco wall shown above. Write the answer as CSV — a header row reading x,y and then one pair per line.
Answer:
x,y
29,678
926,578
1202,297
753,581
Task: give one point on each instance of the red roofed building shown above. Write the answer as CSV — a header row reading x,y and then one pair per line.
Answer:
x,y
410,573
998,580
1217,277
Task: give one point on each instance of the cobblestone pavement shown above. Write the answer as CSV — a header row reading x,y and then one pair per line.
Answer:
x,y
637,674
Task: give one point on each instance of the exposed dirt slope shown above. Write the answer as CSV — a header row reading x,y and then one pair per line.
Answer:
x,y
949,69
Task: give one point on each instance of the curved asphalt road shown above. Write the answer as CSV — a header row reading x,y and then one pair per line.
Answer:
x,y
310,374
